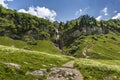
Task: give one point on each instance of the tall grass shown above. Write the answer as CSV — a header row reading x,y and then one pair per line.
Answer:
x,y
93,69
29,61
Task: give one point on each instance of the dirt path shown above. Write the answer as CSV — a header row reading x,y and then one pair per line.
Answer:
x,y
66,72
69,64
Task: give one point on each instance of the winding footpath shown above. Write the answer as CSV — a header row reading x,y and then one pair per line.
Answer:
x,y
66,72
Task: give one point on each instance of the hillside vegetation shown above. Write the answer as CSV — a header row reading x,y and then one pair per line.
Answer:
x,y
38,45
104,46
93,69
85,37
26,61
25,26
31,44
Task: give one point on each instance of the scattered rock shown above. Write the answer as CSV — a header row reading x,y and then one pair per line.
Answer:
x,y
71,78
66,72
41,72
76,74
55,70
59,75
17,66
71,74
109,78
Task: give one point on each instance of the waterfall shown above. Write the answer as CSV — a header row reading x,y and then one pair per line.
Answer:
x,y
57,38
57,35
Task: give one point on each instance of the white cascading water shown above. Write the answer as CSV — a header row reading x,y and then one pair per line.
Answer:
x,y
57,35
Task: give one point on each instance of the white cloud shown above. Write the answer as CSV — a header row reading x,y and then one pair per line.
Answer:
x,y
22,10
105,11
115,11
98,18
41,12
116,16
81,11
2,2
86,9
9,0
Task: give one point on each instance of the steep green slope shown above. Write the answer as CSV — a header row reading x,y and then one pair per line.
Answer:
x,y
27,61
38,45
93,69
104,46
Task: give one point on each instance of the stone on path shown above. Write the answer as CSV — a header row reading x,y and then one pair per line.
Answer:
x,y
66,72
41,72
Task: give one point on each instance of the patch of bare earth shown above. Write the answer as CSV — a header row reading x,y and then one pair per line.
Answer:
x,y
66,72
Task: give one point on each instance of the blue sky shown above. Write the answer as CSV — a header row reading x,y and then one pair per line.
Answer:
x,y
63,10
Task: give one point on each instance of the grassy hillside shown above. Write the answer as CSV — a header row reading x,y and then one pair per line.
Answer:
x,y
100,56
39,45
93,69
28,61
22,26
96,42
103,46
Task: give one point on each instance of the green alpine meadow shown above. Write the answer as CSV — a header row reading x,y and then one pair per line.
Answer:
x,y
38,48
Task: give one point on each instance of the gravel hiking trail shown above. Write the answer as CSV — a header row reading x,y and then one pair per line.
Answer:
x,y
65,72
